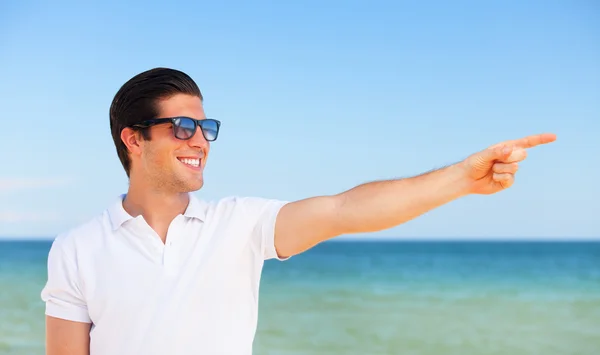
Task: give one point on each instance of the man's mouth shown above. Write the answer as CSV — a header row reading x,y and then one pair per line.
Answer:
x,y
191,162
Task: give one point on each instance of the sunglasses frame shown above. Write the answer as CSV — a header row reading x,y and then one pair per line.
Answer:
x,y
197,124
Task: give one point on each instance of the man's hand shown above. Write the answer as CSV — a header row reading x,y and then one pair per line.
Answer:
x,y
384,204
494,168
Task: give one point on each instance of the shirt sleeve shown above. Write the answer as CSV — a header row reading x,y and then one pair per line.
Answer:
x,y
264,214
62,293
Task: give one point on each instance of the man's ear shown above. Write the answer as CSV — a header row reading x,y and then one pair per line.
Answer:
x,y
132,140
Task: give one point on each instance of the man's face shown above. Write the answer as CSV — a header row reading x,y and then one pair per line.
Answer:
x,y
168,163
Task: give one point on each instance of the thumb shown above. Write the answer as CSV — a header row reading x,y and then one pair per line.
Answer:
x,y
498,152
484,160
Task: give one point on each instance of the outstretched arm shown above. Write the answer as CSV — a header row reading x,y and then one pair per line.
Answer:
x,y
381,205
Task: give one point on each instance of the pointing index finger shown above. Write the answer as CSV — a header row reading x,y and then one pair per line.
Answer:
x,y
532,141
535,140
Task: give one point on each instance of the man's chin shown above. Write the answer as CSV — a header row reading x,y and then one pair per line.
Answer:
x,y
188,180
192,186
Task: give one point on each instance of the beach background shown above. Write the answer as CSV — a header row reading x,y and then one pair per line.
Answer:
x,y
388,297
316,97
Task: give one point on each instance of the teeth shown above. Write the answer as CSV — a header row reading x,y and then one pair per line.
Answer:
x,y
192,162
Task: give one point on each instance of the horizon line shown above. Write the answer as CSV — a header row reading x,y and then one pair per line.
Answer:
x,y
343,239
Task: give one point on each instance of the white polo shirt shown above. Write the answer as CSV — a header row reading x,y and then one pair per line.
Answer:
x,y
196,294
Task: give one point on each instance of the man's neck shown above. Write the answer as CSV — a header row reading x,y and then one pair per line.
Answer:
x,y
158,208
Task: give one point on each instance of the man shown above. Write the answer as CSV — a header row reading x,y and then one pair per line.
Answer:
x,y
162,272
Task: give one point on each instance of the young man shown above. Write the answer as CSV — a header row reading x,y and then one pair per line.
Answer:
x,y
162,272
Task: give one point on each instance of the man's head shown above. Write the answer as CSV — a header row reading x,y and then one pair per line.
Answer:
x,y
153,134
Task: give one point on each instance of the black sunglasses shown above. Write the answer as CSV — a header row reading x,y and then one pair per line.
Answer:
x,y
185,127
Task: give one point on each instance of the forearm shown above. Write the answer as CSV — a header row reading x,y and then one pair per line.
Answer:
x,y
381,205
366,208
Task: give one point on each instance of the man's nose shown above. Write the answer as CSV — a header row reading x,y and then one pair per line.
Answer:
x,y
198,140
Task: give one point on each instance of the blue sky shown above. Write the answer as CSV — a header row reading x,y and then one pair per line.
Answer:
x,y
315,98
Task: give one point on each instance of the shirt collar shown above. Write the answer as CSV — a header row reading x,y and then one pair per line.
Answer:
x,y
196,209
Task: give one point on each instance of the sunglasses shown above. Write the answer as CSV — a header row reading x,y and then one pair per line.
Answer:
x,y
185,127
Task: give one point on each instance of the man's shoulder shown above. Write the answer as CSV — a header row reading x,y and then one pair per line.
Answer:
x,y
84,235
245,204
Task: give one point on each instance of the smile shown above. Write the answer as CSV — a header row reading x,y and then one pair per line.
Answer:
x,y
191,162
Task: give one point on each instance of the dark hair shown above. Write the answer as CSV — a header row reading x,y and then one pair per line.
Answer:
x,y
137,99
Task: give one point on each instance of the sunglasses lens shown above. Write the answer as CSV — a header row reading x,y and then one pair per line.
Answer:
x,y
184,128
210,129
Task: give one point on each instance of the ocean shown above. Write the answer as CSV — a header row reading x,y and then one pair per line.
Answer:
x,y
375,298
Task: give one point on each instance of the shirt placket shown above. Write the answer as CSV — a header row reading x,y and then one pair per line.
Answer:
x,y
172,246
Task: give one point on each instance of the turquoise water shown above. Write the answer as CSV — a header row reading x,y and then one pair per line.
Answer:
x,y
385,298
